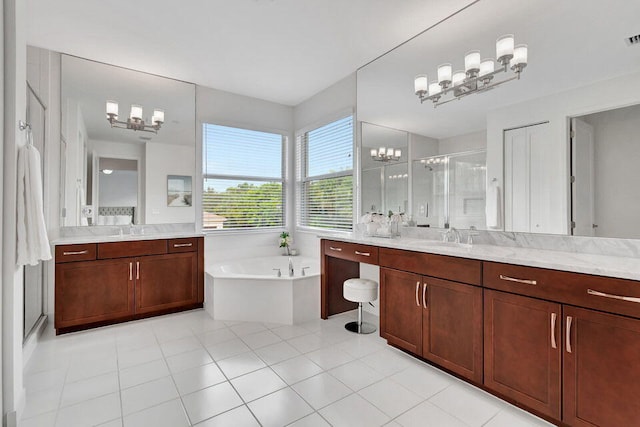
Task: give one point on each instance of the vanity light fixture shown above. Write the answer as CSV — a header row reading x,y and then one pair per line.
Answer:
x,y
385,154
135,121
107,171
477,75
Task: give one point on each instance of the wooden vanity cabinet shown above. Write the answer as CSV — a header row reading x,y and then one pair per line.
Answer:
x,y
126,280
401,309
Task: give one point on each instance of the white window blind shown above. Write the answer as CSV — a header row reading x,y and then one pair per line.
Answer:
x,y
243,178
324,176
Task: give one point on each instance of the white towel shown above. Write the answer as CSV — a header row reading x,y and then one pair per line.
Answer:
x,y
33,243
493,209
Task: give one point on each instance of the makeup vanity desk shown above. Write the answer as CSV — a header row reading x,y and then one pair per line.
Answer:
x,y
555,333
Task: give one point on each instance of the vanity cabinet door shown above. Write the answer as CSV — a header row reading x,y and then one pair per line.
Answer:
x,y
522,346
166,281
601,369
93,291
401,309
452,326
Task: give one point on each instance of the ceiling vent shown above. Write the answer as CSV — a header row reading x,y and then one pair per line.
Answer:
x,y
633,40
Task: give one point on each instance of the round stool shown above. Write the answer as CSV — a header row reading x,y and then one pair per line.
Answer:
x,y
360,290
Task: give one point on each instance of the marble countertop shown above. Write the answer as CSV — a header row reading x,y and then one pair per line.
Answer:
x,y
124,238
600,265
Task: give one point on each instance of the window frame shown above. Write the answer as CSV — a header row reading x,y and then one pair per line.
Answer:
x,y
283,179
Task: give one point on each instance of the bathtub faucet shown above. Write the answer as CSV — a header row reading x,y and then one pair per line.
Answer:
x,y
290,267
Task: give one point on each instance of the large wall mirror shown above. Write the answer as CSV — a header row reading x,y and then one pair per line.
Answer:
x,y
115,174
551,137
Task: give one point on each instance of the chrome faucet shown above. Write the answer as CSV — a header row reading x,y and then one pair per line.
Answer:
x,y
302,273
451,232
290,267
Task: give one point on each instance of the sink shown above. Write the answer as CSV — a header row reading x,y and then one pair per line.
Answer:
x,y
439,244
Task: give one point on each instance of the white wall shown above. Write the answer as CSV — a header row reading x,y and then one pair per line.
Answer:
x,y
616,160
119,188
460,143
167,159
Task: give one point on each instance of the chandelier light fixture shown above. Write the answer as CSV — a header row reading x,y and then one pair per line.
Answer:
x,y
477,75
383,154
134,121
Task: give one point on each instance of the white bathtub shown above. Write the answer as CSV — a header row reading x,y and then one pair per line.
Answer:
x,y
250,290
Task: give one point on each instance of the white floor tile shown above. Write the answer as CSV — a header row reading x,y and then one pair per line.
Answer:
x,y
217,336
181,345
168,332
210,402
514,417
90,412
247,328
44,380
128,358
227,349
360,346
113,423
467,403
261,339
43,420
168,414
241,364
149,394
313,420
307,343
390,397
280,408
190,359
428,415
238,417
328,358
287,332
141,374
357,375
91,368
388,361
42,401
205,325
296,369
276,353
321,390
257,384
423,380
198,378
90,388
353,411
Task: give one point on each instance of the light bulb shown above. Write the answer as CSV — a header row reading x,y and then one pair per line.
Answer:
x,y
112,108
389,152
472,62
136,112
444,74
420,84
458,78
486,67
504,48
374,152
434,89
520,55
398,154
158,116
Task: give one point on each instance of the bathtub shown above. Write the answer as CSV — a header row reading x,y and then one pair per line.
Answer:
x,y
250,290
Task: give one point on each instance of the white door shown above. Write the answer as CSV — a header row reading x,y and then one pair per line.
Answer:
x,y
582,188
516,181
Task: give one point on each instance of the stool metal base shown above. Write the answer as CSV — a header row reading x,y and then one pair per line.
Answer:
x,y
360,328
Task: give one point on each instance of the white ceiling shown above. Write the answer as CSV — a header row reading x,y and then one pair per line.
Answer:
x,y
278,50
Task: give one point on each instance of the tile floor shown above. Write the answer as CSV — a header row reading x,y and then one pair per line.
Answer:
x,y
187,369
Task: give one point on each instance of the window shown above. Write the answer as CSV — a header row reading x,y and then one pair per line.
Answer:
x,y
243,178
324,176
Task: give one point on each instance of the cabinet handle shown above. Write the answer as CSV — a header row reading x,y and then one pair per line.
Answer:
x,y
137,270
182,245
568,337
553,330
76,252
363,253
619,297
417,293
335,249
424,294
513,279
130,271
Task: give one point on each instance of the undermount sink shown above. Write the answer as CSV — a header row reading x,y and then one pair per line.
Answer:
x,y
441,244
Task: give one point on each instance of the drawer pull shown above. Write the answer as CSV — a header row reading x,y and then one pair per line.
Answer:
x,y
363,253
182,245
513,279
553,330
417,293
568,337
619,297
137,270
130,271
424,294
335,249
76,252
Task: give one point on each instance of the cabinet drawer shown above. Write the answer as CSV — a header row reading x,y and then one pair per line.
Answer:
x,y
70,253
613,295
132,248
441,266
182,245
351,251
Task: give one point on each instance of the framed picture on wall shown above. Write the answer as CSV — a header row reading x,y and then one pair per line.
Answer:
x,y
179,191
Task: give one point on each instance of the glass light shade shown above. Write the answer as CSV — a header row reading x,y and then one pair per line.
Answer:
x,y
486,67
504,46
444,73
472,61
390,152
434,89
374,152
421,84
112,108
381,151
158,116
136,112
398,154
458,78
520,54
107,171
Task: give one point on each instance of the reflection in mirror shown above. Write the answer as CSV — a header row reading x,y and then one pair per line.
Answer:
x,y
384,169
139,126
528,169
